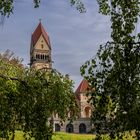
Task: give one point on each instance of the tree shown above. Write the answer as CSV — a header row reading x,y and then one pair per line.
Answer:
x,y
7,6
10,69
114,73
29,97
45,93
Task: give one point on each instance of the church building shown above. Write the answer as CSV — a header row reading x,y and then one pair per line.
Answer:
x,y
40,58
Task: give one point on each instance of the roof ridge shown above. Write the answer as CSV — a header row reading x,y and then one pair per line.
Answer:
x,y
83,86
38,32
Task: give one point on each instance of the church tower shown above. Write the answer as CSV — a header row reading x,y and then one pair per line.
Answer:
x,y
40,49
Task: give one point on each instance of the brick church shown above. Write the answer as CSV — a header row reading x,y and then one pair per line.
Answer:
x,y
40,57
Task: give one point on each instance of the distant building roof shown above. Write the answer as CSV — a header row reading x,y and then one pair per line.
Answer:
x,y
38,32
83,87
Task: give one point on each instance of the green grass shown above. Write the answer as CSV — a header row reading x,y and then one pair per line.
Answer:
x,y
68,136
19,136
59,136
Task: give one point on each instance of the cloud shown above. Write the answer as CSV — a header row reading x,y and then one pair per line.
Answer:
x,y
75,37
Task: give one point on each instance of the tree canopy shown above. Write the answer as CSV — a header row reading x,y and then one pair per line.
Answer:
x,y
114,72
29,98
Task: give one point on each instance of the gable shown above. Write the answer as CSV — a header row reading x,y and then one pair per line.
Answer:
x,y
82,89
40,31
41,44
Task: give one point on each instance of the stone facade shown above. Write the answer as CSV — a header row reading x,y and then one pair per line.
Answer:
x,y
80,125
40,58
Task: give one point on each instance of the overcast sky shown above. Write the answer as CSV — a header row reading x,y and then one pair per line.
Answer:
x,y
74,37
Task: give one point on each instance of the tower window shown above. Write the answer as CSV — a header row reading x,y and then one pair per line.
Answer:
x,y
42,57
87,112
39,56
47,57
42,46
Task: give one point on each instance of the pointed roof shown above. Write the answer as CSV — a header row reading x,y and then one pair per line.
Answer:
x,y
83,87
38,32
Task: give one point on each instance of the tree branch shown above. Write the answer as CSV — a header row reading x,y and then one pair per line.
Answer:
x,y
13,79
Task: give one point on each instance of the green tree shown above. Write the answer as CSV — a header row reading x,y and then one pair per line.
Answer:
x,y
114,73
29,98
45,93
10,69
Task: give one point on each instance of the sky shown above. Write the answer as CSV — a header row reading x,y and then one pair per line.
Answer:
x,y
75,37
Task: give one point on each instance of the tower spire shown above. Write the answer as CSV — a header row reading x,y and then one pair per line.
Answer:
x,y
40,19
40,49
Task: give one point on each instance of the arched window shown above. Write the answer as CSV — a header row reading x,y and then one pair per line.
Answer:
x,y
87,112
82,128
57,127
45,57
36,56
69,128
42,46
41,56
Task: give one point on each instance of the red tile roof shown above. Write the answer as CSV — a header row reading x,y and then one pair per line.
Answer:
x,y
83,87
38,32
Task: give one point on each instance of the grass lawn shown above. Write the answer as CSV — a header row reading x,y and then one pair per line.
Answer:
x,y
68,136
59,136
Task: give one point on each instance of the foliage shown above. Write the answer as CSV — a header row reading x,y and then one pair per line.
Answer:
x,y
29,97
79,5
69,136
7,6
9,66
115,72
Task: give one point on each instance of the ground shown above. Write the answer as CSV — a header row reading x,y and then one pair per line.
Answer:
x,y
70,136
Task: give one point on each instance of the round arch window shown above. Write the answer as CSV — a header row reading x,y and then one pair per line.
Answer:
x,y
82,128
69,128
57,127
87,112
